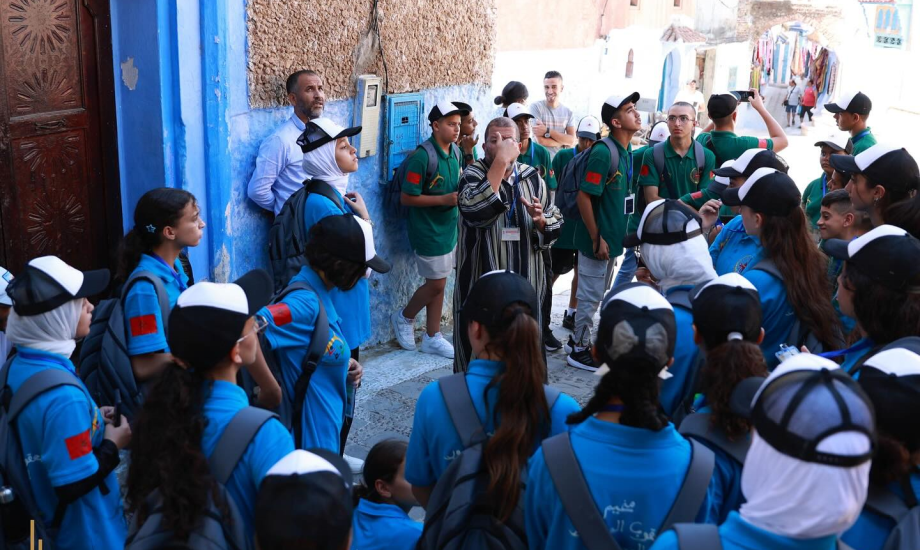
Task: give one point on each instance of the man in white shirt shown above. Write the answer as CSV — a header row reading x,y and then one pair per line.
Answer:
x,y
554,123
793,97
279,169
693,96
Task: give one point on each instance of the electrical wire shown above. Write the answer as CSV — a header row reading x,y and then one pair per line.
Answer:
x,y
375,27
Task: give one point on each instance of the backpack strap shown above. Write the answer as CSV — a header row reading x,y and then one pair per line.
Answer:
x,y
693,491
664,175
700,157
460,406
432,169
698,425
680,298
768,266
697,536
575,495
885,503
323,189
162,295
614,157
34,386
707,143
457,153
236,438
552,395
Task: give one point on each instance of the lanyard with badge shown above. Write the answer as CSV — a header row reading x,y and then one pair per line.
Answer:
x,y
860,135
823,184
629,206
512,233
173,272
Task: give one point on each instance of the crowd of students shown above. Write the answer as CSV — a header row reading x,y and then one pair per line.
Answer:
x,y
756,387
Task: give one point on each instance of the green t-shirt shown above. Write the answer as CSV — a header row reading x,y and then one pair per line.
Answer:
x,y
811,199
566,238
609,199
539,157
862,143
432,229
729,146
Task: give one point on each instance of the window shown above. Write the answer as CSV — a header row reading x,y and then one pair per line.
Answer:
x,y
676,3
634,3
629,65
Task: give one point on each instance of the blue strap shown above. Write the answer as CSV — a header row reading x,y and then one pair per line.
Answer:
x,y
858,347
172,271
860,135
823,184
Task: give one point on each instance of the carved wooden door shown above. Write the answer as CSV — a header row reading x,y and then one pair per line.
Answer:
x,y
58,168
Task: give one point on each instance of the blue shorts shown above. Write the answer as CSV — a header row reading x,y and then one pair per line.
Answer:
x,y
791,108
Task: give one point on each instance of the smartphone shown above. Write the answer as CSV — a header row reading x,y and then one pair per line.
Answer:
x,y
744,95
116,415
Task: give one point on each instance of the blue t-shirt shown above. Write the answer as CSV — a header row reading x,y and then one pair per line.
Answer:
x,y
354,304
383,527
634,475
289,333
737,534
865,345
143,320
675,389
871,530
434,442
58,431
733,250
778,315
271,444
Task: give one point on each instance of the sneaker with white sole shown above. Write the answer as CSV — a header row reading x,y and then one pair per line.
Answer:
x,y
568,321
550,342
581,358
437,345
404,329
356,464
569,346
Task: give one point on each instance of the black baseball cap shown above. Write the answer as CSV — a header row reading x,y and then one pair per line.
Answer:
x,y
722,105
727,308
321,131
891,379
720,183
350,238
209,318
804,401
838,143
767,191
306,496
665,221
888,165
887,254
854,102
48,282
447,108
752,160
637,322
492,293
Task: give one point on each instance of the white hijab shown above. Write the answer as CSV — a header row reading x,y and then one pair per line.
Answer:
x,y
804,500
53,331
320,164
686,263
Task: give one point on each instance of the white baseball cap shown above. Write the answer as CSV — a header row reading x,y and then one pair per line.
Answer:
x,y
516,111
589,128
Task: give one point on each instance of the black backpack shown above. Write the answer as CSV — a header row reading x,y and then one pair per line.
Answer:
x,y
904,514
574,172
696,536
214,531
393,198
681,298
291,409
287,237
579,505
698,426
458,516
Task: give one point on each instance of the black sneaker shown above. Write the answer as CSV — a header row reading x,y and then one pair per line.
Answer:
x,y
550,342
581,358
568,321
569,346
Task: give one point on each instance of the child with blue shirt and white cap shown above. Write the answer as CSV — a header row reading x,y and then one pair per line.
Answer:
x,y
636,474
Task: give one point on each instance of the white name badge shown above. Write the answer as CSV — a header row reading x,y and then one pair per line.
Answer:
x,y
511,234
629,206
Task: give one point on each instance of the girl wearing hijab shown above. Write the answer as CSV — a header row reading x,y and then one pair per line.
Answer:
x,y
806,475
73,481
677,258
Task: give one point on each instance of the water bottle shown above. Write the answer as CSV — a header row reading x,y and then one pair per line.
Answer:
x,y
13,516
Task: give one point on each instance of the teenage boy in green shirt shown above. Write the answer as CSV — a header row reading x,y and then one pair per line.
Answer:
x,y
432,228
722,138
851,113
468,138
815,191
604,209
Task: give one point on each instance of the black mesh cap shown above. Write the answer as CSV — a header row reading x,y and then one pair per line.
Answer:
x,y
494,292
891,378
806,400
727,308
665,221
638,323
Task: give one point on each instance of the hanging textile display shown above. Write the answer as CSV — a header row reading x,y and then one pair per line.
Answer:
x,y
819,69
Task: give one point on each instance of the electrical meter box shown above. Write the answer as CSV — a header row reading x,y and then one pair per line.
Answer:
x,y
367,114
404,130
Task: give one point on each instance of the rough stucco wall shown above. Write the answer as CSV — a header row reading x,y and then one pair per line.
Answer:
x,y
333,39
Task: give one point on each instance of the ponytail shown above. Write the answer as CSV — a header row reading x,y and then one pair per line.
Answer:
x,y
382,463
156,209
892,460
521,405
166,452
727,364
636,383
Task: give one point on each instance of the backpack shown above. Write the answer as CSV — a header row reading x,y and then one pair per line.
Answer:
x,y
105,366
214,531
13,471
287,238
579,505
698,426
707,143
458,515
393,198
291,409
665,176
698,536
681,298
905,515
574,172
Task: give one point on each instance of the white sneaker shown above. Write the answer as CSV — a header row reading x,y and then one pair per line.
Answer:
x,y
405,331
356,464
437,345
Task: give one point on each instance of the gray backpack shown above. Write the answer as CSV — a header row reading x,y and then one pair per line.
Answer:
x,y
393,197
905,515
695,536
698,426
104,364
13,471
664,177
214,531
681,298
459,515
574,172
579,505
